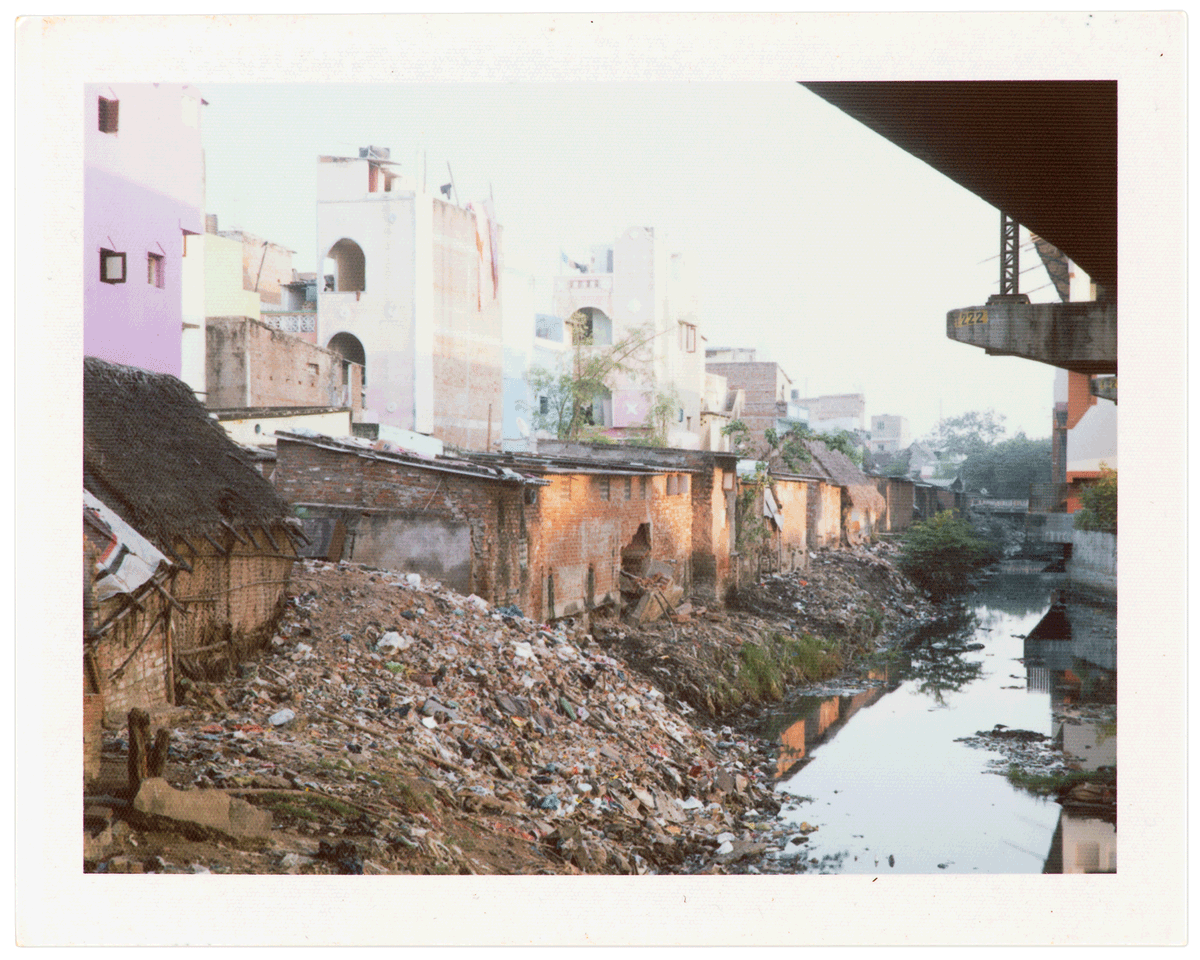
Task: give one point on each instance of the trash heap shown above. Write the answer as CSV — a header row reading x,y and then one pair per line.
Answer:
x,y
394,726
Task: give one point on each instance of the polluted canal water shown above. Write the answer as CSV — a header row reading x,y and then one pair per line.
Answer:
x,y
906,772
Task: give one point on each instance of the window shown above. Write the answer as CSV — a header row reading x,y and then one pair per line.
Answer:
x,y
155,270
112,266
602,487
672,484
629,488
108,115
689,334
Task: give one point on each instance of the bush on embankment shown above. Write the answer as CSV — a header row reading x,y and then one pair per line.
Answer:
x,y
940,554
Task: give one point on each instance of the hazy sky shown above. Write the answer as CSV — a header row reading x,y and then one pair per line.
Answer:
x,y
819,243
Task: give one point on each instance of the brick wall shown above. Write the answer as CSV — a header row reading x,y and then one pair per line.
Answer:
x,y
143,682
251,364
824,511
898,494
468,360
232,599
361,491
762,384
588,520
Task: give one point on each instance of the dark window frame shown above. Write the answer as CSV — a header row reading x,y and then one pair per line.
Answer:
x,y
109,115
105,255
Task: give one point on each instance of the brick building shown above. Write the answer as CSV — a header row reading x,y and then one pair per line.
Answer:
x,y
766,388
548,534
251,364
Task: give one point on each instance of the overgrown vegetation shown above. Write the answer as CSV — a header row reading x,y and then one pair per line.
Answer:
x,y
568,401
940,554
788,446
1099,503
766,670
1045,785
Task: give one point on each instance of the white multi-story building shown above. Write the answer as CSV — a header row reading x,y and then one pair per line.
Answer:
x,y
412,290
641,283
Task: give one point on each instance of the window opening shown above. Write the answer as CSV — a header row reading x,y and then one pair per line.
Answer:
x,y
602,487
348,266
109,110
155,270
112,266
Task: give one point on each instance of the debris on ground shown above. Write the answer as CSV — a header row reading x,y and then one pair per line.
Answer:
x,y
394,726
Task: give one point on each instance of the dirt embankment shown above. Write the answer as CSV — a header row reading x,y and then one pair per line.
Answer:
x,y
393,726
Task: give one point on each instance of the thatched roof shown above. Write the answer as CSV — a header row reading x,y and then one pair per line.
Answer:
x,y
152,453
841,470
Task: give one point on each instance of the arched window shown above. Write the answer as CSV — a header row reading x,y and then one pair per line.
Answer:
x,y
345,267
592,326
350,348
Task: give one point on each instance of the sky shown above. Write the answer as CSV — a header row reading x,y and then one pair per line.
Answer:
x,y
819,244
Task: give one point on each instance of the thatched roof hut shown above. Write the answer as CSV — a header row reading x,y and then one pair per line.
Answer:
x,y
153,454
156,459
841,470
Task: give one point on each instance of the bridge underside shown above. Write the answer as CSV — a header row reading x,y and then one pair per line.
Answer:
x,y
1074,336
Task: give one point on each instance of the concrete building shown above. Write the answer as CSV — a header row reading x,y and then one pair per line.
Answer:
x,y
143,205
766,389
889,434
638,282
412,291
833,412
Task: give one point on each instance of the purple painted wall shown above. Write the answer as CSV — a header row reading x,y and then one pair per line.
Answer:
x,y
143,190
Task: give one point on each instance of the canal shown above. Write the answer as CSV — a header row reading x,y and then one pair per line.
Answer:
x,y
905,772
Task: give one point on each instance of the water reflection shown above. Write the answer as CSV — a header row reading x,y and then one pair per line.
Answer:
x,y
887,783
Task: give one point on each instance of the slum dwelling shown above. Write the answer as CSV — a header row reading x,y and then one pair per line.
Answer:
x,y
161,470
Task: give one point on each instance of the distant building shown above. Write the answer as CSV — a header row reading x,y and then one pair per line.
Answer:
x,y
411,290
143,174
641,281
889,434
766,388
833,412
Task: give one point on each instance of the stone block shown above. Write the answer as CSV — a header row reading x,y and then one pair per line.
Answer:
x,y
199,814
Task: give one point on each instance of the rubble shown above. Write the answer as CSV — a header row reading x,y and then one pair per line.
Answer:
x,y
394,726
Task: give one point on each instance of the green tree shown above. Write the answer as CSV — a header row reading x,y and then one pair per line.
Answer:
x,y
1099,503
1006,469
567,398
967,434
941,553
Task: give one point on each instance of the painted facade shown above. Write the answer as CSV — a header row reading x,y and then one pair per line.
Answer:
x,y
642,282
411,289
143,206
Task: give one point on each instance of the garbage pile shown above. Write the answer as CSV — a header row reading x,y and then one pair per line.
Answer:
x,y
393,726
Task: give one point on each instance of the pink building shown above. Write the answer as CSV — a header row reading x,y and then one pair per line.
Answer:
x,y
143,197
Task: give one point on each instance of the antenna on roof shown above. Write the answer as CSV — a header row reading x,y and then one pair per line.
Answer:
x,y
452,186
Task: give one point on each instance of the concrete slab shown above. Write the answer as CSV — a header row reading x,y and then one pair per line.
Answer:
x,y
1074,336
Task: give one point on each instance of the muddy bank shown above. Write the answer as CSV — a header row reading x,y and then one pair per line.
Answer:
x,y
393,726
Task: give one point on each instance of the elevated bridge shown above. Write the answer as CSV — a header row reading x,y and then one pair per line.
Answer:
x,y
1045,154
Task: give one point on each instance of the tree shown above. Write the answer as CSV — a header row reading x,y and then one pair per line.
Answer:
x,y
567,398
940,554
1006,469
1099,503
789,446
967,434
